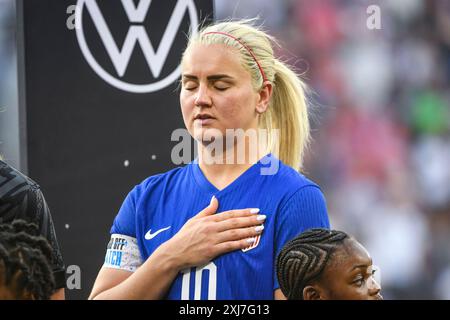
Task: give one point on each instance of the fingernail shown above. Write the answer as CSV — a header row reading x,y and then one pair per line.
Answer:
x,y
259,228
212,199
261,217
251,240
256,210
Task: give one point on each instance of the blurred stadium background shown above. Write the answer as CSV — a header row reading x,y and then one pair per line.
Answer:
x,y
381,148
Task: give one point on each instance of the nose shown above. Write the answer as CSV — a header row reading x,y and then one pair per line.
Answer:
x,y
203,97
374,287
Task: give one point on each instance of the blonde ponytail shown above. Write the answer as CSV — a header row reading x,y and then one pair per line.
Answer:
x,y
287,113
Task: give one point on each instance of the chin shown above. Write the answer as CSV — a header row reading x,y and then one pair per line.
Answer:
x,y
207,134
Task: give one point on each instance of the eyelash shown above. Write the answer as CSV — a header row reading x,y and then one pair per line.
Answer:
x,y
220,89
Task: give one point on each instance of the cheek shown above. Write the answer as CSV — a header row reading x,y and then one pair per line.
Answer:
x,y
231,110
236,109
339,289
186,104
350,292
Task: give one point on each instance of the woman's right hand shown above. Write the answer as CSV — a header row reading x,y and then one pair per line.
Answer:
x,y
208,235
201,239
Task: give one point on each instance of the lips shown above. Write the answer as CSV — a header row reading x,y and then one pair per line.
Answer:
x,y
204,119
203,116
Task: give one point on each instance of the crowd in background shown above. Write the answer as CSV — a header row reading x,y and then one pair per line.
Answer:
x,y
381,123
381,118
9,130
7,51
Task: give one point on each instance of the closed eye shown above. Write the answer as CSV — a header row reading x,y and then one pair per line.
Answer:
x,y
221,85
189,85
221,88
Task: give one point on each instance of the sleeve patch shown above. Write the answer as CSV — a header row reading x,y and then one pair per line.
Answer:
x,y
122,253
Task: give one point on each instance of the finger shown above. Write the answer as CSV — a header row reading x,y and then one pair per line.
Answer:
x,y
240,222
239,234
234,214
210,209
229,246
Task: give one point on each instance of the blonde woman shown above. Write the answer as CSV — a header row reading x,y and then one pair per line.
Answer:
x,y
212,229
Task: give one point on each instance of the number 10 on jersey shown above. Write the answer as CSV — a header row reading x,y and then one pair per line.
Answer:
x,y
212,283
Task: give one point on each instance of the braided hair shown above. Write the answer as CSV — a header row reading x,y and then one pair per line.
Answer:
x,y
24,261
304,258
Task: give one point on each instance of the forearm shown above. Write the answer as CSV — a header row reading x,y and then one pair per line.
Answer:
x,y
150,282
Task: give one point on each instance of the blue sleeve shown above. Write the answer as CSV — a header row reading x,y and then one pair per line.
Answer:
x,y
304,210
125,221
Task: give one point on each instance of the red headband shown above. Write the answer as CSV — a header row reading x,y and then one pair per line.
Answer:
x,y
245,46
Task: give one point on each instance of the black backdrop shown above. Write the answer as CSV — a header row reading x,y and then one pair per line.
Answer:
x,y
86,142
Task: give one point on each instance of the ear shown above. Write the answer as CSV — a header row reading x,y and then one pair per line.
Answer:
x,y
312,293
264,97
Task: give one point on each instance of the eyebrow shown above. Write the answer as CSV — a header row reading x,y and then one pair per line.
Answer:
x,y
362,265
359,266
212,77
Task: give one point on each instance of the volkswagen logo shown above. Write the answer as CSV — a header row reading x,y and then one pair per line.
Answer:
x,y
120,54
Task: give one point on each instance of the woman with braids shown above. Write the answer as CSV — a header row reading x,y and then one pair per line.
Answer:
x,y
320,264
25,256
22,198
212,229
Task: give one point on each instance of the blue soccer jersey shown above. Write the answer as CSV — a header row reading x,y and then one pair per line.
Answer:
x,y
155,210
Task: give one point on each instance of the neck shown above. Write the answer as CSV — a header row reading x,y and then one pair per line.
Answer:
x,y
222,167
